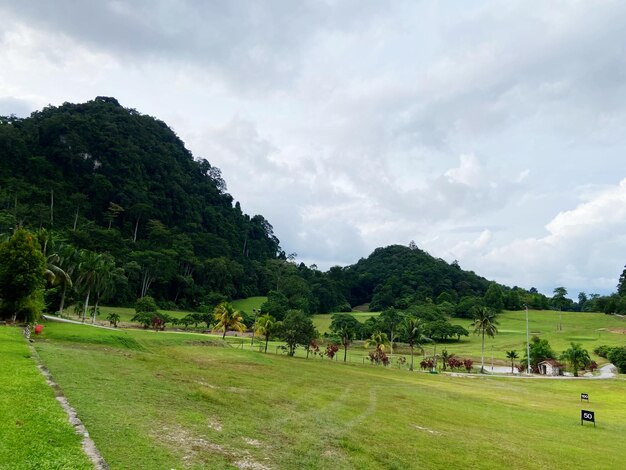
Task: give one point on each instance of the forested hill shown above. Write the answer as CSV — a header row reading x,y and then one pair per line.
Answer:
x,y
399,275
109,179
107,186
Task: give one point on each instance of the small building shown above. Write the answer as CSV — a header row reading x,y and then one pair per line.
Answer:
x,y
550,367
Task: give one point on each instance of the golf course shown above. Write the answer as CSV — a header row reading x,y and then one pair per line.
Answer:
x,y
190,400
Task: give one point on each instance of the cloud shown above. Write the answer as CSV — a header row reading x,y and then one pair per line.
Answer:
x,y
573,252
469,128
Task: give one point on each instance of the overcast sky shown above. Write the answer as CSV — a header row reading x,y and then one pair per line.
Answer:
x,y
491,132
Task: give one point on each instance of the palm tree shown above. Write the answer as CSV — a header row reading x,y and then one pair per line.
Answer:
x,y
88,269
228,318
413,329
69,258
378,340
484,324
266,325
104,280
576,356
512,355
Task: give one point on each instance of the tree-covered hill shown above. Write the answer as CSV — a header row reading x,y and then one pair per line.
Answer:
x,y
400,275
109,179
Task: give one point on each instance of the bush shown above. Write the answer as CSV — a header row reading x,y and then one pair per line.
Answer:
x,y
603,350
145,304
618,357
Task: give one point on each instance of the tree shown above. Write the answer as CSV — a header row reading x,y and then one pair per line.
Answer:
x,y
89,269
493,298
266,326
228,318
297,329
576,356
413,330
484,324
104,280
346,327
389,320
22,268
113,319
540,350
621,285
378,340
512,355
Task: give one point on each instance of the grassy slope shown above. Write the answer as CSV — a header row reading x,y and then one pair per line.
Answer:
x,y
166,401
34,430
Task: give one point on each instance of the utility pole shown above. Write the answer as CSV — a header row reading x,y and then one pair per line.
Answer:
x,y
527,342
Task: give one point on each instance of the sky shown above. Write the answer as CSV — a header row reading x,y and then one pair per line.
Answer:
x,y
488,132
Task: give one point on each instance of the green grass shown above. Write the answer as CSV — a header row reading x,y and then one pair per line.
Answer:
x,y
34,430
589,329
168,400
247,305
322,321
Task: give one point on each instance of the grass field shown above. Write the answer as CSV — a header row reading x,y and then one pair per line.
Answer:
x,y
34,430
175,400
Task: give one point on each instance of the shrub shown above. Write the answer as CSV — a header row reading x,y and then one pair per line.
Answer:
x,y
618,357
145,304
603,350
468,363
331,350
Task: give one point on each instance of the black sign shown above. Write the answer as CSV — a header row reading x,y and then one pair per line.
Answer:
x,y
584,396
587,416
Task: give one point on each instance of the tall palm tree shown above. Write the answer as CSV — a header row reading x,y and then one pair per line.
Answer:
x,y
88,269
266,325
104,281
69,259
414,332
484,324
512,355
228,318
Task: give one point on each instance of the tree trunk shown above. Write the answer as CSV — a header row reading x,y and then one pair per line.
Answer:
x,y
62,299
95,309
135,232
76,217
345,351
86,305
411,368
482,355
224,335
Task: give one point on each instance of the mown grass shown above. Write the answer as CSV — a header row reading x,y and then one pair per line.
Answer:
x,y
589,329
177,402
34,430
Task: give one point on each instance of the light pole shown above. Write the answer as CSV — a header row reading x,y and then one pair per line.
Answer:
x,y
527,342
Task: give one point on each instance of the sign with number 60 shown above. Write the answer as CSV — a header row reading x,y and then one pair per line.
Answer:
x,y
586,415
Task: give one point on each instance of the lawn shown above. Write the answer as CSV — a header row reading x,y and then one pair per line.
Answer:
x,y
589,329
34,430
175,400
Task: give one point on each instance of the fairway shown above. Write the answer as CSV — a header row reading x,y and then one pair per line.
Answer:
x,y
175,400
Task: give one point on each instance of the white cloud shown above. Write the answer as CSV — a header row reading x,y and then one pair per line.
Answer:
x,y
356,124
